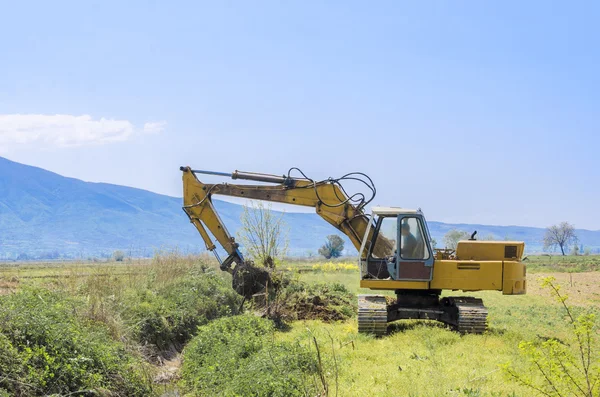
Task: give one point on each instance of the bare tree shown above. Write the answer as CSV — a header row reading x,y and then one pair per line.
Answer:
x,y
264,234
561,236
452,238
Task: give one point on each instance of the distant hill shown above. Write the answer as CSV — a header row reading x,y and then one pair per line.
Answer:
x,y
43,214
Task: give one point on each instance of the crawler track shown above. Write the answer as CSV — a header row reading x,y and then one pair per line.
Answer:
x,y
372,315
471,314
466,315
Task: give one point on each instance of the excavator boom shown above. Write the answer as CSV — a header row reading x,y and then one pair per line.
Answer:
x,y
327,197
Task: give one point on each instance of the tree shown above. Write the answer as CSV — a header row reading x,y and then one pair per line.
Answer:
x,y
333,247
263,234
452,238
561,236
118,256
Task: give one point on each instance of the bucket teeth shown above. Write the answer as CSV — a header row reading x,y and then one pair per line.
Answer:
x,y
372,315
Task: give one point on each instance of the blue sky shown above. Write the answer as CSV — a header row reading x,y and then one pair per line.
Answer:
x,y
483,112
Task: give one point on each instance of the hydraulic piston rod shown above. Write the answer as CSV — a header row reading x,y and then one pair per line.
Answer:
x,y
249,176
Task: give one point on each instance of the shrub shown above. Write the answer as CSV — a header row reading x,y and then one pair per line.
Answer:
x,y
11,365
168,316
46,348
236,356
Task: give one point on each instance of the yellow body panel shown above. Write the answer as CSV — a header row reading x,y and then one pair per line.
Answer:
x,y
508,277
515,278
467,275
489,250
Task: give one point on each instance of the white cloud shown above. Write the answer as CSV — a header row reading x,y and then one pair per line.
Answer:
x,y
155,127
64,130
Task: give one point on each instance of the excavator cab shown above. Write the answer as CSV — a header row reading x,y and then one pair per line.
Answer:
x,y
400,248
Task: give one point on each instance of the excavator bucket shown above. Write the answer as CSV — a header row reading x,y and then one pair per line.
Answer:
x,y
249,279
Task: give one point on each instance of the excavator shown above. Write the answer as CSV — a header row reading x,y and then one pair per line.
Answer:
x,y
394,247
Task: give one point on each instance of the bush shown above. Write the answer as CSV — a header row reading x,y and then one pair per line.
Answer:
x,y
46,348
11,365
168,316
236,356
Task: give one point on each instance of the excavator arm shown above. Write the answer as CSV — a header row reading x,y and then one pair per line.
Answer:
x,y
327,197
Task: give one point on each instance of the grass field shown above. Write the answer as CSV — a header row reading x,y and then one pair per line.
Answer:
x,y
418,358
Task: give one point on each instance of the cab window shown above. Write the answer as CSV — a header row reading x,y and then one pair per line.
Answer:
x,y
386,240
412,245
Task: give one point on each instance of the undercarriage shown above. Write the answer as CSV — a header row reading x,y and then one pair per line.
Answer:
x,y
466,315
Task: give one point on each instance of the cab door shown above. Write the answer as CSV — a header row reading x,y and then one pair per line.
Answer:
x,y
415,262
382,253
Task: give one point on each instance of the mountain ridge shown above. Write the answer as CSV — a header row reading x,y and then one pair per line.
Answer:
x,y
44,214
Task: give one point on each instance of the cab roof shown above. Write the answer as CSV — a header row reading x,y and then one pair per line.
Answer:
x,y
393,211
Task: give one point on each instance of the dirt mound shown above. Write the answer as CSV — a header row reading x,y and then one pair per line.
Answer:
x,y
318,308
301,301
249,279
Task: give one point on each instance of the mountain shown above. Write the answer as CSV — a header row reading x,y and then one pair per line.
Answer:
x,y
43,214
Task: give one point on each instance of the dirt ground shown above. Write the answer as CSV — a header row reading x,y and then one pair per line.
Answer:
x,y
582,288
8,285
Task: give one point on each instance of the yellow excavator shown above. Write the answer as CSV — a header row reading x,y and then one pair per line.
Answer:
x,y
394,249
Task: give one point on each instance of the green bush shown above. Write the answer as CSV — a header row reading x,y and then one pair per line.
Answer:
x,y
236,356
11,365
47,348
168,316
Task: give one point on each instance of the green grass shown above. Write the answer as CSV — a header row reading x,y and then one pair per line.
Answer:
x,y
147,308
559,263
422,358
